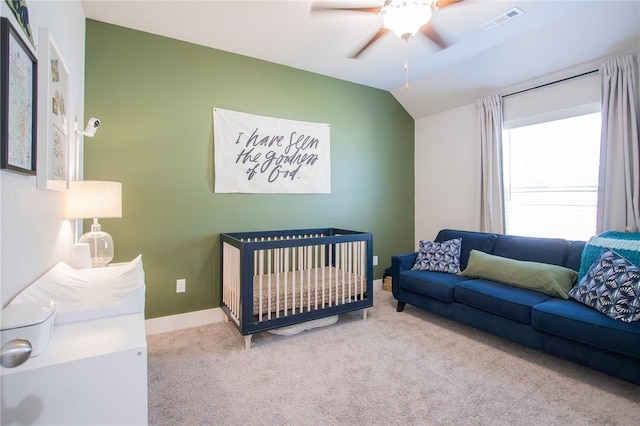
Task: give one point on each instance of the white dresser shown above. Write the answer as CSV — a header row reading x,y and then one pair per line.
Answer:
x,y
91,373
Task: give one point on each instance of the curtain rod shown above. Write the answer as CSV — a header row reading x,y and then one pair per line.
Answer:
x,y
550,83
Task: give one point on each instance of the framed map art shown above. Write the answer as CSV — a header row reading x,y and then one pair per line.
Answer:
x,y
18,102
53,112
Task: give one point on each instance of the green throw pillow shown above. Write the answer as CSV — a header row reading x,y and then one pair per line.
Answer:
x,y
549,279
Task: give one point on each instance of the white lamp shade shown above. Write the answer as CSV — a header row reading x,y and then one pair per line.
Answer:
x,y
91,198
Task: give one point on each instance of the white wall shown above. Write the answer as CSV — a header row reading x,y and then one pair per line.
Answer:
x,y
447,161
33,234
447,154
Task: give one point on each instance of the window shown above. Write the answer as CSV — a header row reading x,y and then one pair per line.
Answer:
x,y
551,177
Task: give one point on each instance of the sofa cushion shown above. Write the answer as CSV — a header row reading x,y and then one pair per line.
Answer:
x,y
549,279
500,299
543,250
470,241
439,257
575,321
438,285
574,253
611,286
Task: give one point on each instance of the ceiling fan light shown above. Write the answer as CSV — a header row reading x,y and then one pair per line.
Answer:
x,y
405,18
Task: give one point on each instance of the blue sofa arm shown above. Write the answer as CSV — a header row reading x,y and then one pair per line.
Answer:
x,y
399,263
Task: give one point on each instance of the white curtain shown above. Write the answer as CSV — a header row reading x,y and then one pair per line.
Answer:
x,y
619,185
490,138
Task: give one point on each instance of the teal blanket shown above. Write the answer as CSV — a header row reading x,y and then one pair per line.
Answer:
x,y
626,244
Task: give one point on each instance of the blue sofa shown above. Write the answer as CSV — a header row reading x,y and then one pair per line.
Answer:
x,y
565,328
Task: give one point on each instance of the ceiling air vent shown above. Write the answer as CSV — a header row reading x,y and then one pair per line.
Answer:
x,y
501,19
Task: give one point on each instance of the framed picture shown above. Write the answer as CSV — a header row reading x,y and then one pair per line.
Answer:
x,y
18,102
54,133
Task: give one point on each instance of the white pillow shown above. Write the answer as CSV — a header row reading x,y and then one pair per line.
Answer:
x,y
86,294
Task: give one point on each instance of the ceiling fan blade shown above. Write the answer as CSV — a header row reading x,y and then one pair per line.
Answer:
x,y
351,9
379,34
432,35
445,3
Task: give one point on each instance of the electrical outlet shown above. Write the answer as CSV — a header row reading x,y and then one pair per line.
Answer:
x,y
181,285
375,260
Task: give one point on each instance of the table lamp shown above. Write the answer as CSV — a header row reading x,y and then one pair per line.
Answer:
x,y
91,199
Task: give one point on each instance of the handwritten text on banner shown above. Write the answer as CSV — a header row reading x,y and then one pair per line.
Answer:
x,y
256,154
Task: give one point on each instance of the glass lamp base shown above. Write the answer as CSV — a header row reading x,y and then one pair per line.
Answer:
x,y
100,246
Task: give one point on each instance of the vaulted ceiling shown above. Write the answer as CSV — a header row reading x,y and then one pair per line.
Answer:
x,y
547,39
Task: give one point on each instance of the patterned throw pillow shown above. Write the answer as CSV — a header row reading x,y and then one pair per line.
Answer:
x,y
612,286
439,257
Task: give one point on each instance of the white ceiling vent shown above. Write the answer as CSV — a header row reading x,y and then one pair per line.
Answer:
x,y
501,19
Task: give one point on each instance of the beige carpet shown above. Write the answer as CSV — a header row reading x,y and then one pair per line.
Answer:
x,y
394,368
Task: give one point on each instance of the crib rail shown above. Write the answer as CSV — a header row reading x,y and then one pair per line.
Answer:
x,y
279,278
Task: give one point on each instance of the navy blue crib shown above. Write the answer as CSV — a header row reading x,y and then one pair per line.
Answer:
x,y
274,279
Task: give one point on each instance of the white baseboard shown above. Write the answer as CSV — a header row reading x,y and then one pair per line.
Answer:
x,y
197,318
186,320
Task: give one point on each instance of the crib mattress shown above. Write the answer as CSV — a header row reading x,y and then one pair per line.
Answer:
x,y
321,287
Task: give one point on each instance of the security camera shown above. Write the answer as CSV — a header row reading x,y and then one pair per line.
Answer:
x,y
92,127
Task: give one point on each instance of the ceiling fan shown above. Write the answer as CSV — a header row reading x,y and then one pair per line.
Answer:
x,y
405,18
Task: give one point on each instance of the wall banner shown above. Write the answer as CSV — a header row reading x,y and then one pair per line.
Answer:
x,y
256,154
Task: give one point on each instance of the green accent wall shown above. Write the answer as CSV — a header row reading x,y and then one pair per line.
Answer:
x,y
155,99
